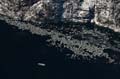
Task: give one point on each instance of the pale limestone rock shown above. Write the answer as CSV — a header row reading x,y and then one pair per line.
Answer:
x,y
105,13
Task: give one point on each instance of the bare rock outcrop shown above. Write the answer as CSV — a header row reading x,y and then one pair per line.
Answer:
x,y
105,13
79,10
60,18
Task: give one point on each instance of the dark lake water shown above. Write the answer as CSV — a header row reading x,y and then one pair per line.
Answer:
x,y
20,51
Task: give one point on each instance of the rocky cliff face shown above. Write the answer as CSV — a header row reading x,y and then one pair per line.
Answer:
x,y
107,13
86,40
103,12
79,10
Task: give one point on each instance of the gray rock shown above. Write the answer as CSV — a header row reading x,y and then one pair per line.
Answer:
x,y
88,43
103,12
107,14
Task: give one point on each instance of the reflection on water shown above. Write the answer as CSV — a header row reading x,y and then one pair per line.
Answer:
x,y
21,52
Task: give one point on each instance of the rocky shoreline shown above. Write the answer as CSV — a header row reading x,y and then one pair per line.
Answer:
x,y
21,52
86,43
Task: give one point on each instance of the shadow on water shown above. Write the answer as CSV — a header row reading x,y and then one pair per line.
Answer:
x,y
21,51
